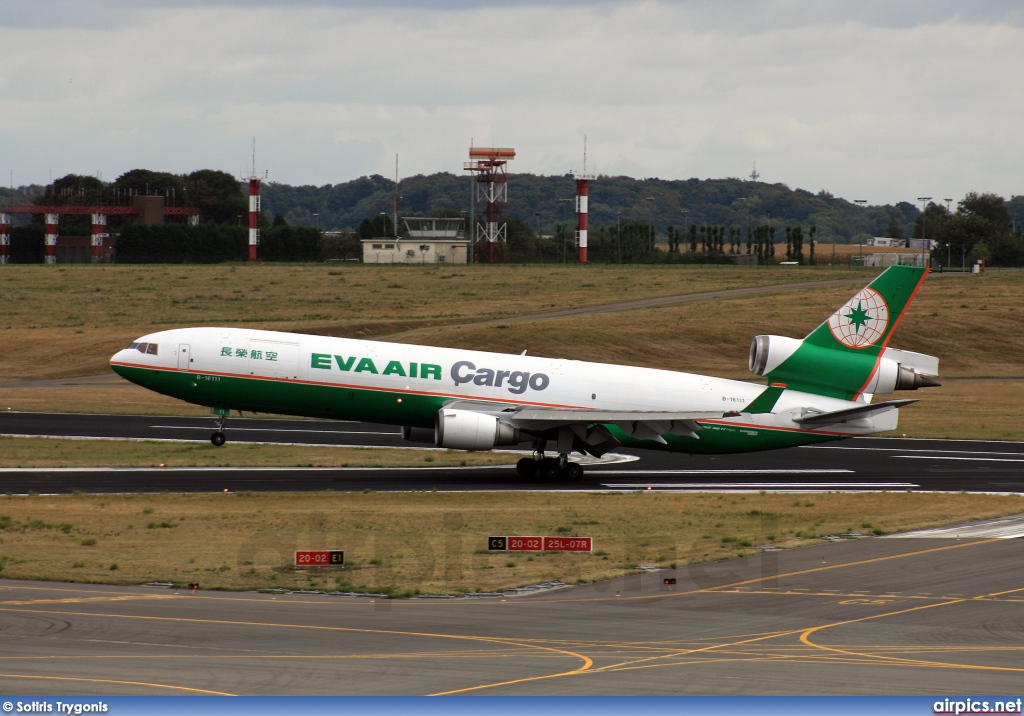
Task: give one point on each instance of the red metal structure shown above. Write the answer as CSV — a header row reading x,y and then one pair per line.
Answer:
x,y
583,179
5,238
582,193
254,216
99,216
489,167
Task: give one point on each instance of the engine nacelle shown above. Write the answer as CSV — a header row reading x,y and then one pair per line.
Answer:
x,y
768,352
892,376
470,430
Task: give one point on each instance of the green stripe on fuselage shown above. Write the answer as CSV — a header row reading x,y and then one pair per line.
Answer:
x,y
290,397
381,406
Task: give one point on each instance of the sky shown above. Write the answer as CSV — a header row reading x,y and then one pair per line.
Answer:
x,y
877,100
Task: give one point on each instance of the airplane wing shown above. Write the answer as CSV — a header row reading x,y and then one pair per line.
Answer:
x,y
586,430
841,416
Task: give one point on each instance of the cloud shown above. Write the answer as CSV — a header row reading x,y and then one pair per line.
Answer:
x,y
878,101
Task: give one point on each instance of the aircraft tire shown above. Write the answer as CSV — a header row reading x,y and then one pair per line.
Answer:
x,y
527,467
550,470
573,472
218,438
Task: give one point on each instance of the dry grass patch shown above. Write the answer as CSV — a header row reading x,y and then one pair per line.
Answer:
x,y
970,322
401,543
68,320
56,452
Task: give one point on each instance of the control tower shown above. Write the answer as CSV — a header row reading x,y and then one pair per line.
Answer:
x,y
489,168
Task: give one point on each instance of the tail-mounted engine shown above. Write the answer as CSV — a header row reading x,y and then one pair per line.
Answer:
x,y
817,366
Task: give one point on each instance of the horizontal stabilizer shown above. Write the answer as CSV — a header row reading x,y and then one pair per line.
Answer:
x,y
842,416
765,402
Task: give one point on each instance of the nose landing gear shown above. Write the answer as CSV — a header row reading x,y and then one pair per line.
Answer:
x,y
219,438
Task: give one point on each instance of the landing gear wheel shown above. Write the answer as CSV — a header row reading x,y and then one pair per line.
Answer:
x,y
527,467
550,470
573,472
218,438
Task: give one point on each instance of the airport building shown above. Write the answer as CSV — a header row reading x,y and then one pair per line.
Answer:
x,y
428,240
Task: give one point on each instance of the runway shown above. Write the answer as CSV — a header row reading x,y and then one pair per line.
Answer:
x,y
871,616
858,464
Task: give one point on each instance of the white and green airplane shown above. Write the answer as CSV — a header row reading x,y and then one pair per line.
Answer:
x,y
819,388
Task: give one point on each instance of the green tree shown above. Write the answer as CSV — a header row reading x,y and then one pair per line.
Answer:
x,y
146,182
990,207
218,196
693,238
893,229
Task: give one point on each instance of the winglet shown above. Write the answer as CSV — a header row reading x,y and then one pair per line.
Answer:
x,y
765,402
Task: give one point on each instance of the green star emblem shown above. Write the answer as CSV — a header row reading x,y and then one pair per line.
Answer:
x,y
858,317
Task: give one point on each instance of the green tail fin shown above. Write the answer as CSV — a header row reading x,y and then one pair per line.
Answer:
x,y
864,323
841,356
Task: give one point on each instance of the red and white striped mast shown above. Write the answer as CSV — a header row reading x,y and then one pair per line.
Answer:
x,y
51,237
582,192
255,180
5,238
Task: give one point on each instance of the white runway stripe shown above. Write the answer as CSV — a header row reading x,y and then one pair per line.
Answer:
x,y
950,457
1003,528
760,485
773,471
231,429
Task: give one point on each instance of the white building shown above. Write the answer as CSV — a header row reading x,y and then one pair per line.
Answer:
x,y
430,241
886,241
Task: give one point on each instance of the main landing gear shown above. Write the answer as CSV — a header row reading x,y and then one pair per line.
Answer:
x,y
550,468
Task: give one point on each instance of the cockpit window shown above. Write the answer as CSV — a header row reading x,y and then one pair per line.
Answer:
x,y
151,349
141,347
132,346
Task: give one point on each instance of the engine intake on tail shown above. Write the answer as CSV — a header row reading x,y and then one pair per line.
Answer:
x,y
469,430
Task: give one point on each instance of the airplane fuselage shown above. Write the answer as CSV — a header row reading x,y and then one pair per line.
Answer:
x,y
406,385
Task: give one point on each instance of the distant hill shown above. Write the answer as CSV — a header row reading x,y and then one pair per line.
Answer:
x,y
722,202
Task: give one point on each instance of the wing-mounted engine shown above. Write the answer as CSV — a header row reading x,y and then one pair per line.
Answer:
x,y
804,366
471,430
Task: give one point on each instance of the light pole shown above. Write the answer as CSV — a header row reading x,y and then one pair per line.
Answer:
x,y
316,217
618,234
924,224
860,203
747,205
561,214
949,215
650,226
540,243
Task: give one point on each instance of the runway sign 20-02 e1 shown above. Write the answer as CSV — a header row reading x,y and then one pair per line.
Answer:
x,y
320,558
540,544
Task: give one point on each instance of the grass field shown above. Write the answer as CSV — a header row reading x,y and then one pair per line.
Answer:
x,y
54,452
64,321
431,542
970,322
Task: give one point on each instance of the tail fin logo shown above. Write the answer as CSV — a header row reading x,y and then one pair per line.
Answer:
x,y
862,320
